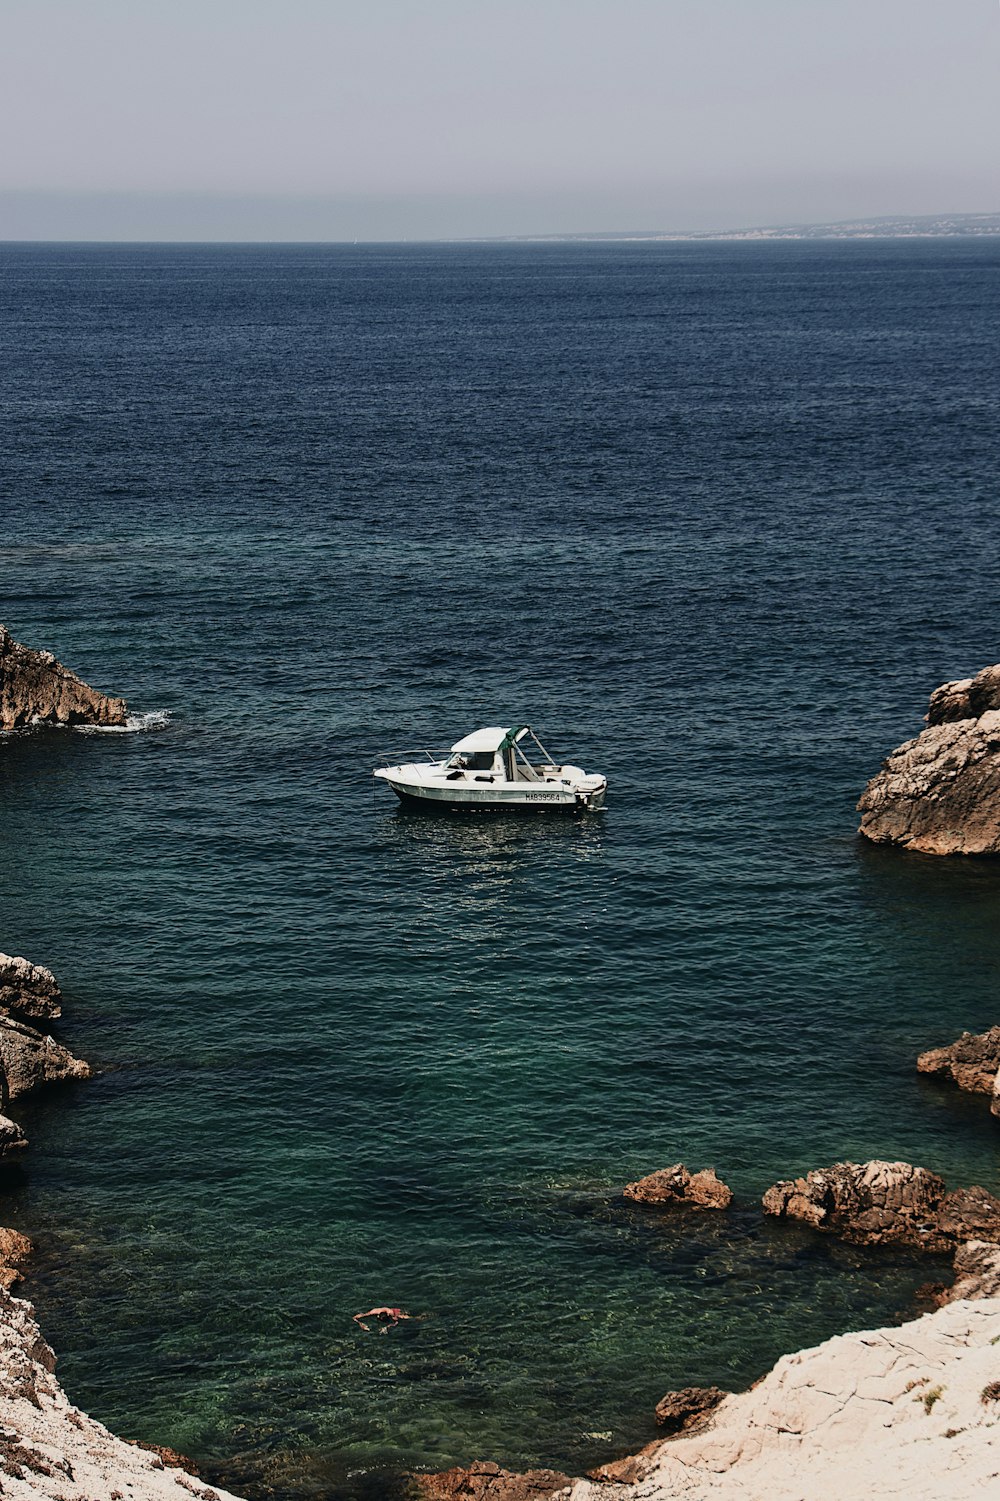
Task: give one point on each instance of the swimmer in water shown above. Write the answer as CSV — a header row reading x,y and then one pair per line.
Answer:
x,y
388,1318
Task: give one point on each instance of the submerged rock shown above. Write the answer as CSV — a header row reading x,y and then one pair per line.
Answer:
x,y
675,1185
29,1058
940,793
28,989
169,1458
973,1063
35,689
876,1203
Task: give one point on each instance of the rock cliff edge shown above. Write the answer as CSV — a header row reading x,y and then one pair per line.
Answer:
x,y
35,689
51,1451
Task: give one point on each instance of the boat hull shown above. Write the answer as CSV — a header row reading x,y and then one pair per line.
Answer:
x,y
434,801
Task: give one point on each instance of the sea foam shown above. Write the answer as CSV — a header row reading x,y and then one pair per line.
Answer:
x,y
155,719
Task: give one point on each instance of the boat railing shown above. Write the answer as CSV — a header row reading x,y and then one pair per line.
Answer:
x,y
401,758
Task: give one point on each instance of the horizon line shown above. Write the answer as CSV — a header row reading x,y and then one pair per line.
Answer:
x,y
945,225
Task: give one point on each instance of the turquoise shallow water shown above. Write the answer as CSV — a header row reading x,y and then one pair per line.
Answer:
x,y
716,520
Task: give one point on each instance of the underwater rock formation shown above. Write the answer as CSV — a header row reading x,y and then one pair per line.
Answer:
x,y
675,1185
875,1203
28,989
973,1063
35,689
940,793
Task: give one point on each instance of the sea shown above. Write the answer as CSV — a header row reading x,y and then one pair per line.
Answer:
x,y
714,519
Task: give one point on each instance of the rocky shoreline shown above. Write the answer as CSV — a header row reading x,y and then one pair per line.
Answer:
x,y
883,1413
910,1396
910,1411
48,1447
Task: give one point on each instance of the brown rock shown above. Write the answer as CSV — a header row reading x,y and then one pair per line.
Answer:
x,y
169,1458
969,1214
866,1203
950,703
35,689
972,1062
15,1250
28,1058
977,1272
940,793
28,989
984,691
675,1185
688,1407
796,1201
12,1138
630,1469
484,1481
876,1203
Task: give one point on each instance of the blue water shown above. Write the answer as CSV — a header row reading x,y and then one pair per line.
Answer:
x,y
715,519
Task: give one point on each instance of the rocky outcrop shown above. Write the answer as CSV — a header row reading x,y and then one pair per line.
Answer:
x,y
973,1063
968,698
51,1451
15,1249
628,1470
35,689
689,1406
485,1481
977,1272
28,989
875,1203
675,1185
12,1138
29,1058
940,793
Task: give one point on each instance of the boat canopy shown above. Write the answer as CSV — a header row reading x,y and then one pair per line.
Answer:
x,y
492,739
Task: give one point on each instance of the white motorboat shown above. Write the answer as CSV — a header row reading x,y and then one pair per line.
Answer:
x,y
495,770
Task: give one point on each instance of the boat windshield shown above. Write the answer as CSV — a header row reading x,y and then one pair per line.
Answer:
x,y
473,761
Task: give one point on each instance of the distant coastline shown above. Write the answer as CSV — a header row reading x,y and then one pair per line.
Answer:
x,y
895,227
889,227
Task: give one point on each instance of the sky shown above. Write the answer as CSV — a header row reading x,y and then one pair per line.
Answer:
x,y
424,119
